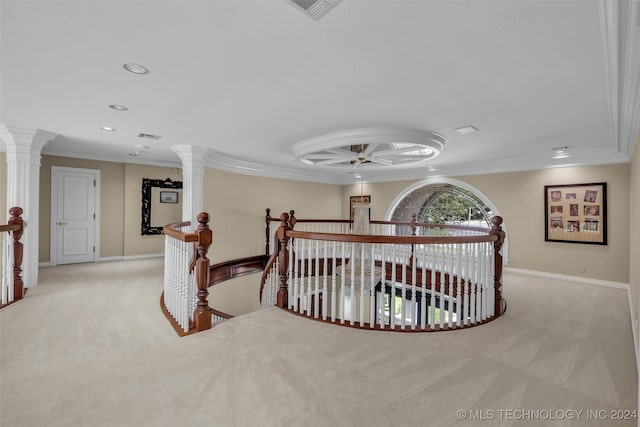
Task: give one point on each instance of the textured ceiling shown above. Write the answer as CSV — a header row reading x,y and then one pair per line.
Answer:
x,y
250,79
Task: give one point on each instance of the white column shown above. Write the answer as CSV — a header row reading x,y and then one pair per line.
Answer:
x,y
23,189
192,158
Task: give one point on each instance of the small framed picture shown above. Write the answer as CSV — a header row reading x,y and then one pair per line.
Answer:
x,y
168,197
578,217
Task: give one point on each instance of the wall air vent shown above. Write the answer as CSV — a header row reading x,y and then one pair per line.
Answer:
x,y
148,136
315,8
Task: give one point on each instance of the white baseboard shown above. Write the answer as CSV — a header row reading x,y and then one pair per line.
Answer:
x,y
594,282
577,279
110,259
132,257
634,330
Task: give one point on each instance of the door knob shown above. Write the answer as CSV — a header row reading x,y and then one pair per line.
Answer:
x,y
62,223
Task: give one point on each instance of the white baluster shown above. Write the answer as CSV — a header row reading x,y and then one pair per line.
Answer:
x,y
290,278
458,269
296,274
342,284
492,289
325,266
7,268
443,285
333,282
372,288
414,313
301,291
362,282
423,297
432,301
352,293
465,304
392,295
383,286
451,278
316,294
474,281
309,276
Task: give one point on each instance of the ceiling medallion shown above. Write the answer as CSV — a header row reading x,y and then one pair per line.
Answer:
x,y
386,147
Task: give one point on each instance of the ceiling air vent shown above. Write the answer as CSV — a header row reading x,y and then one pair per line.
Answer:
x,y
148,136
315,8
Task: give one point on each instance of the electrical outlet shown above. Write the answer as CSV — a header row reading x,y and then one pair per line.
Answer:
x,y
581,268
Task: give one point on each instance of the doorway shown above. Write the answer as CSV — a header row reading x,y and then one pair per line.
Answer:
x,y
75,221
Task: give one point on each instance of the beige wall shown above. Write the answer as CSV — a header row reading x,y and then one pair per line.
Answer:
x,y
134,242
4,214
3,188
634,231
120,197
519,198
225,296
111,203
237,206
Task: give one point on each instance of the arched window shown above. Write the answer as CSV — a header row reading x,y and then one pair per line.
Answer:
x,y
446,200
443,203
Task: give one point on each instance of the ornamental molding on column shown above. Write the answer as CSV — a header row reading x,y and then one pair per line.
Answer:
x,y
23,153
24,145
193,180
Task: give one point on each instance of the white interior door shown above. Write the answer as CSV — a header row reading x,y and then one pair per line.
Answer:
x,y
73,210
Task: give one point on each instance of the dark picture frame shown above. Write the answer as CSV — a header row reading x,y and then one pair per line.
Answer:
x,y
355,199
576,213
147,184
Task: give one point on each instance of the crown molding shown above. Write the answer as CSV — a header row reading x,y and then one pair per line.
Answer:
x,y
112,159
620,25
217,160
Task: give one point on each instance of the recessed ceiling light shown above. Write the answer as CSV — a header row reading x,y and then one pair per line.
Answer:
x,y
148,136
136,154
560,150
136,68
118,107
107,128
466,129
142,147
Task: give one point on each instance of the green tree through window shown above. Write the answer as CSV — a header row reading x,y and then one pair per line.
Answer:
x,y
444,204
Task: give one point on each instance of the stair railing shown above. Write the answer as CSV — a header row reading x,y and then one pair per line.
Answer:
x,y
186,275
12,251
404,276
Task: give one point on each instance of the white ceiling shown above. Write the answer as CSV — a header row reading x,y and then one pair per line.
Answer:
x,y
249,79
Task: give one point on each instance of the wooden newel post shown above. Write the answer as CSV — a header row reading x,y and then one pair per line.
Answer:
x,y
267,231
283,260
496,230
202,314
16,219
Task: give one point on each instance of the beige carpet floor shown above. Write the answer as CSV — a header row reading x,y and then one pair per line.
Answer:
x,y
89,347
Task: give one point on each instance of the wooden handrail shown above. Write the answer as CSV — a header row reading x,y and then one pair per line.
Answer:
x,y
16,225
172,230
372,238
269,219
